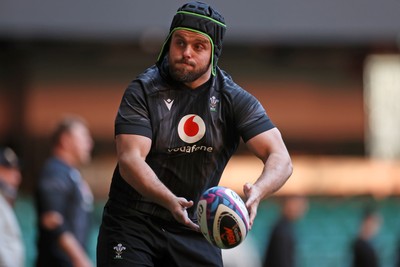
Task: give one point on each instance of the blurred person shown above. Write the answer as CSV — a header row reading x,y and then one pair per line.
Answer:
x,y
397,255
282,246
64,199
177,126
363,252
12,250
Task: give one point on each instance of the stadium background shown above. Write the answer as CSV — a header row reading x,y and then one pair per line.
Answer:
x,y
306,62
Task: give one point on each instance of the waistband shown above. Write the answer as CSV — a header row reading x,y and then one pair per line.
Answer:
x,y
123,197
147,208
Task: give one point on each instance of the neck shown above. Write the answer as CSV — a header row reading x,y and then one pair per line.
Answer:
x,y
200,81
65,157
9,192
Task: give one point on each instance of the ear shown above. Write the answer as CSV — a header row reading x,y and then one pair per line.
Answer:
x,y
65,139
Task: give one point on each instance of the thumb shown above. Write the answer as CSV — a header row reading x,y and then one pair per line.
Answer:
x,y
246,189
186,204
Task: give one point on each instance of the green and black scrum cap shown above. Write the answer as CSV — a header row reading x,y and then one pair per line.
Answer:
x,y
198,17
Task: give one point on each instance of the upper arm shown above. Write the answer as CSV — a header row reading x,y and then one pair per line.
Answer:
x,y
266,143
53,198
131,145
53,192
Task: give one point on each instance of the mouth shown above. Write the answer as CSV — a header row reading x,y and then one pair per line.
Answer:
x,y
185,63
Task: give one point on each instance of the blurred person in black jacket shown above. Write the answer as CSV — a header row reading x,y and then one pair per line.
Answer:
x,y
281,250
64,199
364,253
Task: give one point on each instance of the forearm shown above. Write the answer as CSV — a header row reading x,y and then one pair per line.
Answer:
x,y
74,250
277,170
268,147
141,177
132,152
271,150
137,173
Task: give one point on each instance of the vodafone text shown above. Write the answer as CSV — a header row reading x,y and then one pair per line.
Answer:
x,y
190,149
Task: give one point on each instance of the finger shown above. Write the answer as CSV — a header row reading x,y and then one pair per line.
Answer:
x,y
193,226
246,189
187,204
188,222
185,219
252,216
249,202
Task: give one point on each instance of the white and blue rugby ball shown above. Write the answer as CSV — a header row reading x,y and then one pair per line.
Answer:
x,y
223,217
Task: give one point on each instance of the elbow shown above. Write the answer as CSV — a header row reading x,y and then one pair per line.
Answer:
x,y
124,161
288,166
123,167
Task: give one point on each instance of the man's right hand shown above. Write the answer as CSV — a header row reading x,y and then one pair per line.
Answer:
x,y
179,211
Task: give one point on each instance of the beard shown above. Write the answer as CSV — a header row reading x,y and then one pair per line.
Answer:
x,y
181,74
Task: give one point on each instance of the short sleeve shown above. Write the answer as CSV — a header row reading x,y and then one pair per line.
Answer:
x,y
133,114
53,193
250,116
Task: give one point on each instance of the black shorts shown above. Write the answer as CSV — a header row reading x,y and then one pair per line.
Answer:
x,y
130,238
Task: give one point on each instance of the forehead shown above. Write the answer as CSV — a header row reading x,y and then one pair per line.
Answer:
x,y
191,35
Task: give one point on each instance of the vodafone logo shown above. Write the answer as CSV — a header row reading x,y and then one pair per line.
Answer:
x,y
191,128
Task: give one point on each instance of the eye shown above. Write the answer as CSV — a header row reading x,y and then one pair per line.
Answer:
x,y
199,47
179,42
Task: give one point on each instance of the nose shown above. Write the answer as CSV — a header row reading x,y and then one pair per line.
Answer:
x,y
16,178
187,51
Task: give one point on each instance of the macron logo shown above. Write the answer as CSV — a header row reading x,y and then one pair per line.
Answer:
x,y
169,103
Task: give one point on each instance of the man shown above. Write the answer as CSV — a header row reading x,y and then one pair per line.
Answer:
x,y
64,200
363,252
177,126
12,251
281,250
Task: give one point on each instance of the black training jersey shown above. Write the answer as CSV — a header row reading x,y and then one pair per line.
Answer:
x,y
194,132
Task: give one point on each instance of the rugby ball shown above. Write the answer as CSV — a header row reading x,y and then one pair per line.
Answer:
x,y
223,217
